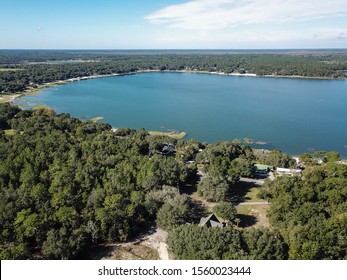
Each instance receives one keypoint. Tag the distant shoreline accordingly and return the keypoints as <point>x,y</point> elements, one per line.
<point>235,74</point>
<point>37,89</point>
<point>258,143</point>
<point>4,98</point>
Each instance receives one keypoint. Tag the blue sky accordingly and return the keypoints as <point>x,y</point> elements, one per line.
<point>173,24</point>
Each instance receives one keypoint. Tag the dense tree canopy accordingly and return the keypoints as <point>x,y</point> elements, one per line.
<point>192,242</point>
<point>174,212</point>
<point>66,185</point>
<point>226,211</point>
<point>310,212</point>
<point>275,158</point>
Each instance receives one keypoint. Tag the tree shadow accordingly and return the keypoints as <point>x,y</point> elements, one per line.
<point>188,189</point>
<point>246,220</point>
<point>198,211</point>
<point>101,251</point>
<point>240,190</point>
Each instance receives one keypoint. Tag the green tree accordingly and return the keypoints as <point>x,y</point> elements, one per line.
<point>214,189</point>
<point>263,244</point>
<point>332,157</point>
<point>64,243</point>
<point>7,112</point>
<point>226,211</point>
<point>277,158</point>
<point>190,242</point>
<point>174,212</point>
<point>244,167</point>
<point>307,160</point>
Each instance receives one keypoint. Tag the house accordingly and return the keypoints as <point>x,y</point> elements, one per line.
<point>211,221</point>
<point>261,169</point>
<point>283,171</point>
<point>168,149</point>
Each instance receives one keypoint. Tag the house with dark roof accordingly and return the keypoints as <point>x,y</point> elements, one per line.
<point>211,221</point>
<point>168,149</point>
<point>261,169</point>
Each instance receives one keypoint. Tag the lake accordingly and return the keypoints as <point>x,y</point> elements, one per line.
<point>294,115</point>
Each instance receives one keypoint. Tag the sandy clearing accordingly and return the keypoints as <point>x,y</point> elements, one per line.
<point>148,246</point>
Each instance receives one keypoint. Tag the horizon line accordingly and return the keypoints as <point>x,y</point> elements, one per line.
<point>167,49</point>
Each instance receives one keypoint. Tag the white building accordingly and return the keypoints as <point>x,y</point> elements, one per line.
<point>288,171</point>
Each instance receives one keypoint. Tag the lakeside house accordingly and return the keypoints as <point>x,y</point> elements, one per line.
<point>261,169</point>
<point>288,171</point>
<point>211,221</point>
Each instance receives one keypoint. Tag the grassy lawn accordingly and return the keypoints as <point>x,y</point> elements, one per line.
<point>247,192</point>
<point>253,215</point>
<point>251,195</point>
<point>209,205</point>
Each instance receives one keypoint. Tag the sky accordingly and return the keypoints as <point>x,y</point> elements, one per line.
<point>173,24</point>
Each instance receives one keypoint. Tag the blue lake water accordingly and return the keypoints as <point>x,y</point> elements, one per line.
<point>294,115</point>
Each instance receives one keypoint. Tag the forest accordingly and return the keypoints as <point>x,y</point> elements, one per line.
<point>22,70</point>
<point>67,185</point>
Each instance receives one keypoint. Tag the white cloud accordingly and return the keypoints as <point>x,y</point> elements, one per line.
<point>342,36</point>
<point>305,38</point>
<point>219,14</point>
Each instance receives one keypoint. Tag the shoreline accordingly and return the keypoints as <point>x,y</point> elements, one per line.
<point>302,77</point>
<point>236,74</point>
<point>11,97</point>
<point>173,134</point>
<point>4,98</point>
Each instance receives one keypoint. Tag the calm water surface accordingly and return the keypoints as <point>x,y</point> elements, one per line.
<point>294,115</point>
